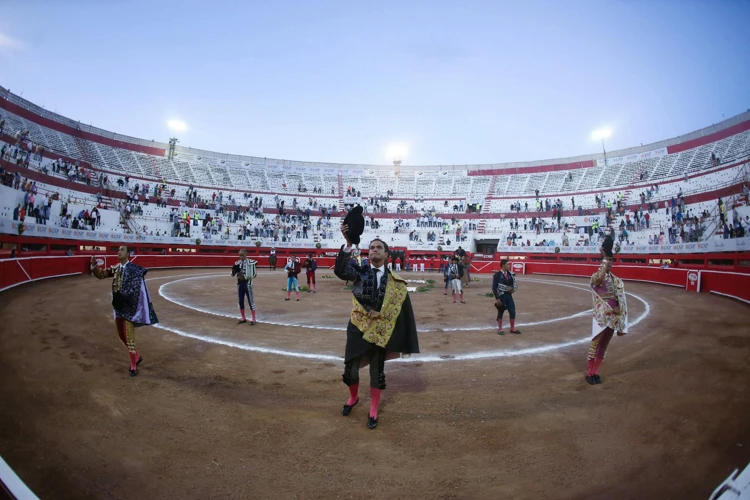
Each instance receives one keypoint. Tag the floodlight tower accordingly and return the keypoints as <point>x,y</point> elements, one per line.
<point>172,143</point>
<point>602,134</point>
<point>397,164</point>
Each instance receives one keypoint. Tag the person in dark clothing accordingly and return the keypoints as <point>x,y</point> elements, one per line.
<point>381,326</point>
<point>504,285</point>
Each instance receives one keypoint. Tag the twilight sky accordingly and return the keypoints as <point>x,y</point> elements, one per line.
<point>340,81</point>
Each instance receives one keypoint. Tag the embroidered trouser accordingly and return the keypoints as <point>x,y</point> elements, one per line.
<point>456,285</point>
<point>310,277</point>
<point>243,290</point>
<point>291,283</point>
<point>507,303</point>
<point>126,331</point>
<point>377,367</point>
<point>599,344</point>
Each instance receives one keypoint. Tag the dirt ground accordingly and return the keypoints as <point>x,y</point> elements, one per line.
<point>223,419</point>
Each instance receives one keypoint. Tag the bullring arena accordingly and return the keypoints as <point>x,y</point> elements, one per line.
<point>226,410</point>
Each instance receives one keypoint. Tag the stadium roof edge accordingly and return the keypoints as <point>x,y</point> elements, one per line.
<point>582,161</point>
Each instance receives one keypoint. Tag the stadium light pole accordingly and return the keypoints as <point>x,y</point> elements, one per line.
<point>396,152</point>
<point>175,126</point>
<point>602,134</point>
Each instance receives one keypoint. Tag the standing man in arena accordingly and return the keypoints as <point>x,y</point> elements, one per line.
<point>130,300</point>
<point>245,271</point>
<point>382,322</point>
<point>444,267</point>
<point>610,311</point>
<point>292,268</point>
<point>311,265</point>
<point>504,285</point>
<point>272,260</point>
<point>455,272</point>
<point>466,261</point>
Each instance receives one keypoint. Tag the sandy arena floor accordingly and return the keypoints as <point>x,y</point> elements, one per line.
<point>221,410</point>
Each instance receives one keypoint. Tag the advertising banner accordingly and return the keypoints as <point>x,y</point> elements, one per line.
<point>518,268</point>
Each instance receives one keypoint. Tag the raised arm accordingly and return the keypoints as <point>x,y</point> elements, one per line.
<point>598,276</point>
<point>98,272</point>
<point>344,269</point>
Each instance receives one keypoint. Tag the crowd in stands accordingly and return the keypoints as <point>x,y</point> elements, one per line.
<point>213,215</point>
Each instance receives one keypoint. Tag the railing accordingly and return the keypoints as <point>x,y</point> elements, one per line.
<point>714,216</point>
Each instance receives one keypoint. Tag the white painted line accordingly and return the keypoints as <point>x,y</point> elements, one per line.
<point>47,257</point>
<point>654,282</point>
<point>16,487</point>
<point>163,293</point>
<point>177,275</point>
<point>503,353</point>
<point>731,297</point>
<point>246,347</point>
<point>535,323</point>
<point>24,270</point>
<point>720,272</point>
<point>38,279</point>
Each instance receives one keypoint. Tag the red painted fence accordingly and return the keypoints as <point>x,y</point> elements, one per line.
<point>15,272</point>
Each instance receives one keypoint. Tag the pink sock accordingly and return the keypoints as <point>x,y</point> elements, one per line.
<point>590,371</point>
<point>353,391</point>
<point>500,324</point>
<point>512,325</point>
<point>454,297</point>
<point>597,364</point>
<point>133,360</point>
<point>374,402</point>
<point>253,313</point>
<point>297,293</point>
<point>288,294</point>
<point>242,312</point>
<point>462,297</point>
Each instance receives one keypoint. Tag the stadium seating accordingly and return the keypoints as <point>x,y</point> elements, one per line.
<point>691,170</point>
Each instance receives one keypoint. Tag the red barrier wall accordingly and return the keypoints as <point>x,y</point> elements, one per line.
<point>14,272</point>
<point>735,285</point>
<point>675,277</point>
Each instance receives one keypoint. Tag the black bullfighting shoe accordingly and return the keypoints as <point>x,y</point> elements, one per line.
<point>347,409</point>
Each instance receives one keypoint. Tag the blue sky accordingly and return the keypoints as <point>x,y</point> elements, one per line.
<point>458,82</point>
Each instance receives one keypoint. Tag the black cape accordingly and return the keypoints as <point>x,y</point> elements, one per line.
<point>403,340</point>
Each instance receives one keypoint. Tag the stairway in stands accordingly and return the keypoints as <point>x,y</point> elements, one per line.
<point>481,227</point>
<point>486,208</point>
<point>154,166</point>
<point>129,225</point>
<point>626,195</point>
<point>341,193</point>
<point>82,151</point>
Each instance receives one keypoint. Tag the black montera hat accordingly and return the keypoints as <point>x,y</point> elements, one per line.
<point>356,223</point>
<point>609,242</point>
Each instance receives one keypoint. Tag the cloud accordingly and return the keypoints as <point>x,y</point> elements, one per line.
<point>7,42</point>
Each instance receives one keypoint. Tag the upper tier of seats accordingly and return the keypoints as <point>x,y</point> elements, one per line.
<point>147,159</point>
